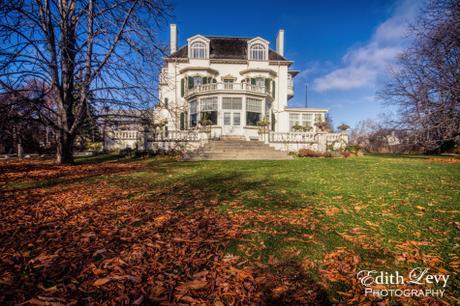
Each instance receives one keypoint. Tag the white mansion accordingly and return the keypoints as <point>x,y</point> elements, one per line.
<point>235,87</point>
<point>233,82</point>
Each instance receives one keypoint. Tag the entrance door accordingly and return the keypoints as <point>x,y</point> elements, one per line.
<point>232,123</point>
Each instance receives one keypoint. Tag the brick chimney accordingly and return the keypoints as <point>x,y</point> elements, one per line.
<point>173,38</point>
<point>280,42</point>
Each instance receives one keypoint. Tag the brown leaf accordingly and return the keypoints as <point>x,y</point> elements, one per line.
<point>102,281</point>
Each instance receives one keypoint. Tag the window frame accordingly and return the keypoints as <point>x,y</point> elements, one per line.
<point>198,50</point>
<point>257,52</point>
<point>251,111</point>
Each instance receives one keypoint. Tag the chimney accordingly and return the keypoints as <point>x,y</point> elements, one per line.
<point>280,42</point>
<point>173,37</point>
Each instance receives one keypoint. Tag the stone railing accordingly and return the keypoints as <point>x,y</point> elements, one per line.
<point>290,137</point>
<point>184,136</point>
<point>226,87</point>
<point>125,135</point>
<point>293,141</point>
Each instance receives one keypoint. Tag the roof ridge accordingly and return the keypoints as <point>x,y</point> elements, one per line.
<point>227,37</point>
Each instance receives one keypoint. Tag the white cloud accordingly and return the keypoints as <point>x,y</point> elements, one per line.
<point>362,66</point>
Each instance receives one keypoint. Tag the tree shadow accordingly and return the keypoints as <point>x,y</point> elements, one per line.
<point>151,240</point>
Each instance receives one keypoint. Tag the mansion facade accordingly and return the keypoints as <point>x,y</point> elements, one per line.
<point>220,88</point>
<point>235,85</point>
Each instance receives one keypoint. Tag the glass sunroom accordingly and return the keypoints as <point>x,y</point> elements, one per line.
<point>230,113</point>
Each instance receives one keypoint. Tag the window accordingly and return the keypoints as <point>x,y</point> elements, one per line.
<point>182,87</point>
<point>257,52</point>
<point>236,119</point>
<point>193,113</point>
<point>166,103</point>
<point>294,119</point>
<point>227,118</point>
<point>182,121</point>
<point>253,111</point>
<point>208,104</point>
<point>231,103</point>
<point>198,50</point>
<point>208,109</point>
<point>228,83</point>
<point>260,82</point>
<point>318,118</point>
<point>305,120</point>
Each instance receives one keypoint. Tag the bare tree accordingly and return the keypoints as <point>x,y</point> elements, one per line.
<point>426,85</point>
<point>20,124</point>
<point>90,52</point>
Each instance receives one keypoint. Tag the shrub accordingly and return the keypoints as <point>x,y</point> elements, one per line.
<point>346,154</point>
<point>93,146</point>
<point>126,152</point>
<point>301,128</point>
<point>309,153</point>
<point>355,150</point>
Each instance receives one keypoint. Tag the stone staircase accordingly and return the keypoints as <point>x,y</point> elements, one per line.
<point>237,148</point>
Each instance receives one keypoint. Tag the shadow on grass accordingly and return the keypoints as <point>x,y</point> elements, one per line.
<point>193,198</point>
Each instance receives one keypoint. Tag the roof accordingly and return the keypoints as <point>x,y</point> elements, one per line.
<point>227,48</point>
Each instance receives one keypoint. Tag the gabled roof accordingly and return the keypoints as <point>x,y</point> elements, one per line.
<point>227,48</point>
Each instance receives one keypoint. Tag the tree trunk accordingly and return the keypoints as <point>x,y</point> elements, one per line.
<point>64,148</point>
<point>20,151</point>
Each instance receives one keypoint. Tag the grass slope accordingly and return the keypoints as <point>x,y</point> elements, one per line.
<point>322,218</point>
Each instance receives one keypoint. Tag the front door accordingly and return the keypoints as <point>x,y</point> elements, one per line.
<point>232,123</point>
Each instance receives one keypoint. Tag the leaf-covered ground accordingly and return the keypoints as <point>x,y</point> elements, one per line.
<point>158,231</point>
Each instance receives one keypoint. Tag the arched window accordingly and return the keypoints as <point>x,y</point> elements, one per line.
<point>198,50</point>
<point>257,52</point>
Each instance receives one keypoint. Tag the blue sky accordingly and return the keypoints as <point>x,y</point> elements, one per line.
<point>344,49</point>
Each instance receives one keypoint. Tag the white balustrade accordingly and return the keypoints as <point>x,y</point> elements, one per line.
<point>122,135</point>
<point>214,87</point>
<point>304,137</point>
<point>297,137</point>
<point>177,136</point>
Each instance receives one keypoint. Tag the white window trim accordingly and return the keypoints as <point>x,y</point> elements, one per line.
<point>256,41</point>
<point>257,52</point>
<point>198,50</point>
<point>198,38</point>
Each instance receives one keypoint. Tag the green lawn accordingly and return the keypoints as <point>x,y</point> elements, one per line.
<point>393,212</point>
<point>313,220</point>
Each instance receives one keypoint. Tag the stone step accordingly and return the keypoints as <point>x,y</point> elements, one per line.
<point>242,156</point>
<point>239,157</point>
<point>233,138</point>
<point>238,149</point>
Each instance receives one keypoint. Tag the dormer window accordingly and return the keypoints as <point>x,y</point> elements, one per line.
<point>257,52</point>
<point>258,49</point>
<point>198,50</point>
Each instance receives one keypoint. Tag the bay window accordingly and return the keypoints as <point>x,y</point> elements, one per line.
<point>253,111</point>
<point>208,109</point>
<point>231,103</point>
